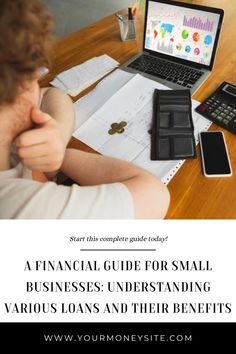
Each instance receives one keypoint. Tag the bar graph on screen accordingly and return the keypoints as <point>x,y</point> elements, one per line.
<point>195,22</point>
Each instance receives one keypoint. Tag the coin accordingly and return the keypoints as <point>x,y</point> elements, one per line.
<point>120,131</point>
<point>111,132</point>
<point>117,128</point>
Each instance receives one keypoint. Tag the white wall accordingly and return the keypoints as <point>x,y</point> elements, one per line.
<point>71,15</point>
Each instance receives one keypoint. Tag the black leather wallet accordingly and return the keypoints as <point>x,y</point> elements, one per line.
<point>172,133</point>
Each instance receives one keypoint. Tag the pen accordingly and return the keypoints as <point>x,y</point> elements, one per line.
<point>130,14</point>
<point>134,10</point>
<point>120,17</point>
<point>131,29</point>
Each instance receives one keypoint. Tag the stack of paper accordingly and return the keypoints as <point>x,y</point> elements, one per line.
<point>78,78</point>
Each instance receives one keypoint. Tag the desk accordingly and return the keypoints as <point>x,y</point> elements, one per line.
<point>193,196</point>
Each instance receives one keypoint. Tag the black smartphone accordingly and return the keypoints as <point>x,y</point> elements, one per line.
<point>215,157</point>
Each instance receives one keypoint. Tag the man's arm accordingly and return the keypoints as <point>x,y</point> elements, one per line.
<point>150,196</point>
<point>42,148</point>
<point>59,106</point>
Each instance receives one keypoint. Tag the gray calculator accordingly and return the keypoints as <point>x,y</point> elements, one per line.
<point>220,107</point>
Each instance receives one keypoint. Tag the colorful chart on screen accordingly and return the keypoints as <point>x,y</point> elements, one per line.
<point>181,32</point>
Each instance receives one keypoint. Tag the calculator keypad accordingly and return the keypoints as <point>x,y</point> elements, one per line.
<point>219,111</point>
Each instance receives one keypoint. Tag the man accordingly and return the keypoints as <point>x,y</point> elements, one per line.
<point>38,125</point>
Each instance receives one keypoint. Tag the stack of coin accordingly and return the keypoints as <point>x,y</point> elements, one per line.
<point>117,128</point>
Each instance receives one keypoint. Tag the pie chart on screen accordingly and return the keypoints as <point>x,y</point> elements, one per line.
<point>185,34</point>
<point>208,39</point>
<point>187,49</point>
<point>196,37</point>
<point>179,46</point>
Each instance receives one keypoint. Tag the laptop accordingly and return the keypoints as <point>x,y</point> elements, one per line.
<point>180,42</point>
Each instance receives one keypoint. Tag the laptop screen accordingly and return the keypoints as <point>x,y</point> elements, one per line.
<point>182,32</point>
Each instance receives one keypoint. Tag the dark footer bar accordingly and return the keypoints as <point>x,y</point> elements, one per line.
<point>179,335</point>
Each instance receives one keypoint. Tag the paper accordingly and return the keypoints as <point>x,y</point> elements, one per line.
<point>131,103</point>
<point>90,103</point>
<point>78,78</point>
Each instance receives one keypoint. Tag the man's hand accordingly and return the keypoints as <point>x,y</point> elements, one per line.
<point>41,148</point>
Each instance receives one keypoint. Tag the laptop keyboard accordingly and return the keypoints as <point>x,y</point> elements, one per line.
<point>179,74</point>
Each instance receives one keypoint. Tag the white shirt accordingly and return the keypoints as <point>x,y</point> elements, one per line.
<point>23,198</point>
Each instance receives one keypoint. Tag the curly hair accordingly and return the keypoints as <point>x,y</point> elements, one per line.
<point>25,38</point>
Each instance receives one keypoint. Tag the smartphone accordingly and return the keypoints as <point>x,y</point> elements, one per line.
<point>215,157</point>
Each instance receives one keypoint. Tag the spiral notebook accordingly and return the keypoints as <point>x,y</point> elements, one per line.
<point>126,98</point>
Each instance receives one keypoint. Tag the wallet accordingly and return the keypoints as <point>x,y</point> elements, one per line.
<point>172,133</point>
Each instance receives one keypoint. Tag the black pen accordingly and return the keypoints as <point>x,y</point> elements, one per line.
<point>130,14</point>
<point>131,28</point>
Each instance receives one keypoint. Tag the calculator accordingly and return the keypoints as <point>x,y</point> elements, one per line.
<point>220,107</point>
